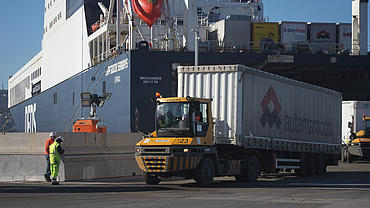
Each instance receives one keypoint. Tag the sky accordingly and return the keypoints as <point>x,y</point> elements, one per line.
<point>22,26</point>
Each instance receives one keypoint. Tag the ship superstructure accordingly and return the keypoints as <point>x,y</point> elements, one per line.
<point>79,34</point>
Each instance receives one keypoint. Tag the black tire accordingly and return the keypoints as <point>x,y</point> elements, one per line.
<point>243,172</point>
<point>205,172</point>
<point>350,157</point>
<point>303,170</point>
<point>251,169</point>
<point>254,168</point>
<point>313,170</point>
<point>322,164</point>
<point>151,179</point>
<point>344,154</point>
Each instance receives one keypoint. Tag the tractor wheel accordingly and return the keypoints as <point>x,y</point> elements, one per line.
<point>151,179</point>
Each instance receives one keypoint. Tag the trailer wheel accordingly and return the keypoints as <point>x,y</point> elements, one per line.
<point>254,168</point>
<point>322,164</point>
<point>350,157</point>
<point>303,170</point>
<point>314,163</point>
<point>243,177</point>
<point>151,179</point>
<point>344,154</point>
<point>205,172</point>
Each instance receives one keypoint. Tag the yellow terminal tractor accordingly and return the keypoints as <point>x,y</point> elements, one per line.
<point>182,144</point>
<point>358,144</point>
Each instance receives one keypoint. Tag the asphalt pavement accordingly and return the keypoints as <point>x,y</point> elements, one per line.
<point>347,185</point>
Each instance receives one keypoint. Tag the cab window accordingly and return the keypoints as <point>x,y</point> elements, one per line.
<point>201,119</point>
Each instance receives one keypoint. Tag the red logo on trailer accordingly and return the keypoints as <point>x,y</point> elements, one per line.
<point>270,117</point>
<point>323,34</point>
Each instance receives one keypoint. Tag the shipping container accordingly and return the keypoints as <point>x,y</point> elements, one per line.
<point>292,32</point>
<point>322,37</point>
<point>356,109</point>
<point>248,102</point>
<point>265,32</point>
<point>344,36</point>
<point>232,31</point>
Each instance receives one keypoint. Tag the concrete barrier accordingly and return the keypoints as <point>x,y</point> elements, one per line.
<point>87,156</point>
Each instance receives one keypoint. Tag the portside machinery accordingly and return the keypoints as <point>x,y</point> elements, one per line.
<point>356,140</point>
<point>232,120</point>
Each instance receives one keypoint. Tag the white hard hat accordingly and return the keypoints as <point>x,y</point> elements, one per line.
<point>53,134</point>
<point>60,139</point>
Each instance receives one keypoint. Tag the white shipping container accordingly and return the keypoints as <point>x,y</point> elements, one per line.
<point>322,32</point>
<point>345,36</point>
<point>356,109</point>
<point>232,32</point>
<point>293,32</point>
<point>322,37</point>
<point>248,102</point>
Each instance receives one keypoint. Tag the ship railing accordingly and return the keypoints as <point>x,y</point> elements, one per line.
<point>274,47</point>
<point>109,54</point>
<point>245,46</point>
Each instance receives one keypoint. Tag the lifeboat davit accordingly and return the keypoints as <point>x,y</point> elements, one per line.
<point>148,10</point>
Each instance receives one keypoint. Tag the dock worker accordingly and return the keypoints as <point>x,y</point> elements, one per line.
<point>56,151</point>
<point>48,142</point>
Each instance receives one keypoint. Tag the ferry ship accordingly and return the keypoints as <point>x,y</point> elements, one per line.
<point>106,47</point>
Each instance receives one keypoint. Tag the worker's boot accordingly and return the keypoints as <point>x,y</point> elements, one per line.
<point>47,177</point>
<point>55,182</point>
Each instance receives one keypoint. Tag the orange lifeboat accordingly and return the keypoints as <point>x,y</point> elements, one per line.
<point>95,26</point>
<point>148,10</point>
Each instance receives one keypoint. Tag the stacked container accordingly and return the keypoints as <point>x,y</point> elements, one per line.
<point>322,37</point>
<point>265,31</point>
<point>292,33</point>
<point>344,36</point>
<point>233,31</point>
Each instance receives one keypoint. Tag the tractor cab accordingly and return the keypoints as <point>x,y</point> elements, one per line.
<point>365,132</point>
<point>182,117</point>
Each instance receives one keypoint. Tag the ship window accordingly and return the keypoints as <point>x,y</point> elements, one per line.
<point>36,88</point>
<point>55,98</point>
<point>73,98</point>
<point>180,22</point>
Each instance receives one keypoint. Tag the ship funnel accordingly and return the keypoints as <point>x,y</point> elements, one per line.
<point>360,27</point>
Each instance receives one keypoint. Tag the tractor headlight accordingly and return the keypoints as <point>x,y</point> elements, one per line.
<point>137,150</point>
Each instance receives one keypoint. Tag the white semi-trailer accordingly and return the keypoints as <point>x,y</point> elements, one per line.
<point>233,120</point>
